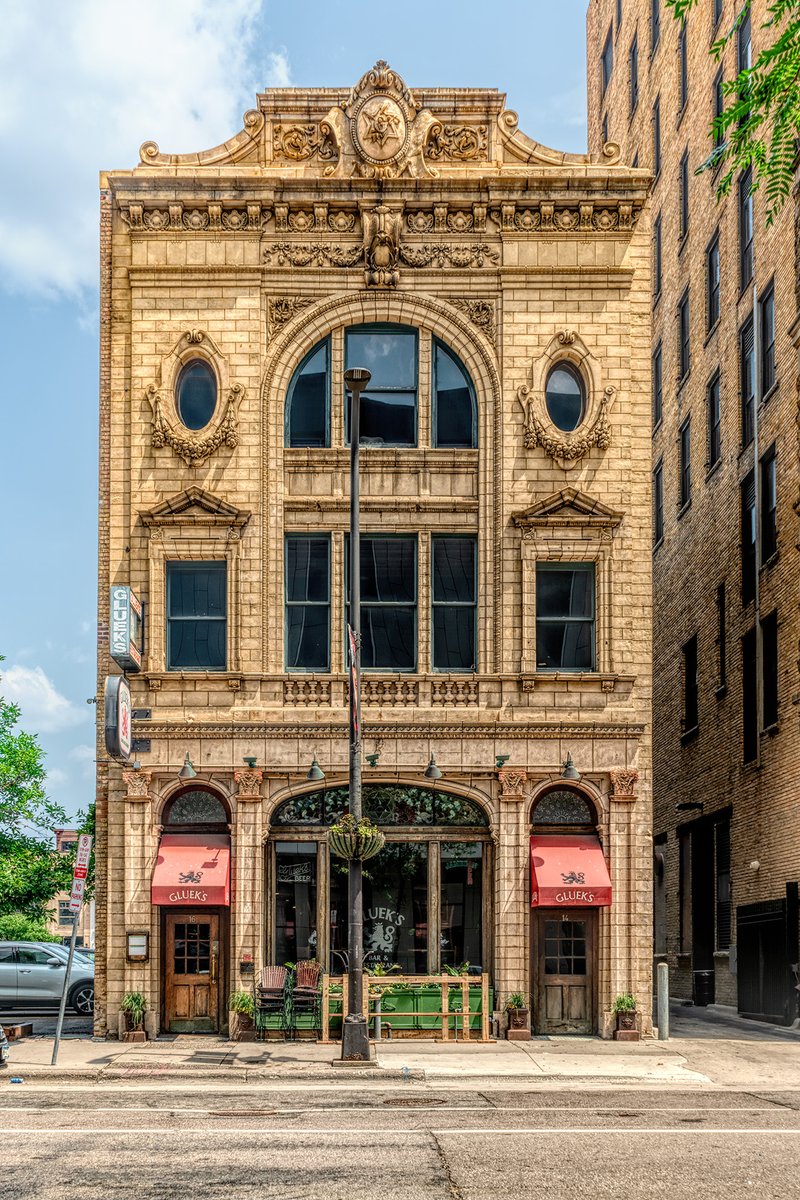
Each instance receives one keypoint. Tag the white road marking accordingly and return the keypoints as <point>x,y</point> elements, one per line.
<point>524,1110</point>
<point>204,1130</point>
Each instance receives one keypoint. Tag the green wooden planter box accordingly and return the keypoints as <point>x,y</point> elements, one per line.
<point>414,1009</point>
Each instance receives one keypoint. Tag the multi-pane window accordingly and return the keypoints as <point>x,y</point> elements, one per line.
<point>767,306</point>
<point>747,490</point>
<point>308,602</point>
<point>769,648</point>
<point>714,419</point>
<point>658,384</point>
<point>565,616</point>
<point>196,616</point>
<point>633,63</point>
<point>454,415</point>
<point>684,343</point>
<point>712,283</point>
<point>685,440</point>
<point>747,384</point>
<point>722,644</point>
<point>683,81</point>
<point>607,61</point>
<point>307,401</point>
<point>657,137</point>
<point>745,229</point>
<point>769,505</point>
<point>454,602</point>
<point>691,712</point>
<point>658,503</point>
<point>749,697</point>
<point>683,185</point>
<point>655,24</point>
<point>388,602</point>
<point>389,404</point>
<point>65,913</point>
<point>722,884</point>
<point>657,256</point>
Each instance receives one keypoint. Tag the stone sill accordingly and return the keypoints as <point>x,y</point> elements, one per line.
<point>586,680</point>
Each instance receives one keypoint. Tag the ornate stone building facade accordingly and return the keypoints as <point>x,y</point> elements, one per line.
<point>499,293</point>
<point>726,471</point>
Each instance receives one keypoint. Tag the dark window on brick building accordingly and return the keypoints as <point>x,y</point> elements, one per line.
<point>722,640</point>
<point>657,256</point>
<point>605,129</point>
<point>684,344</point>
<point>722,883</point>
<point>658,503</point>
<point>767,306</point>
<point>683,185</point>
<point>633,65</point>
<point>745,229</point>
<point>657,137</point>
<point>685,437</point>
<point>747,382</point>
<point>196,616</point>
<point>748,500</point>
<point>769,647</point>
<point>619,14</point>
<point>744,45</point>
<point>655,24</point>
<point>714,417</point>
<point>684,891</point>
<point>691,712</point>
<point>749,703</point>
<point>718,99</point>
<point>712,283</point>
<point>769,505</point>
<point>717,11</point>
<point>683,82</point>
<point>658,385</point>
<point>607,61</point>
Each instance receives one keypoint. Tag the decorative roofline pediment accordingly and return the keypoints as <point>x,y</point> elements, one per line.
<point>195,505</point>
<point>568,507</point>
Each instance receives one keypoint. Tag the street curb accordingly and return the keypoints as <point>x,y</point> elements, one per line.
<point>203,1075</point>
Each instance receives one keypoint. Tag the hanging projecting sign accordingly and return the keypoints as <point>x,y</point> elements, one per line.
<point>126,628</point>
<point>118,716</point>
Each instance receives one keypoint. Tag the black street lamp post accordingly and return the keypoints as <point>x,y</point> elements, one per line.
<point>355,1033</point>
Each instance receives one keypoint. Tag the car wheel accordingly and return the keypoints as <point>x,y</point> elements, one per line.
<point>81,999</point>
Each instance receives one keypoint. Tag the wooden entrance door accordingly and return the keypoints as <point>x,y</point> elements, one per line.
<point>192,972</point>
<point>564,970</point>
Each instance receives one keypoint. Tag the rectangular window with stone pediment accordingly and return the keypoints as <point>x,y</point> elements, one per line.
<point>565,614</point>
<point>197,612</point>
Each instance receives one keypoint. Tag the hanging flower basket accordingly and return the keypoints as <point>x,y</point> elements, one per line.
<point>351,838</point>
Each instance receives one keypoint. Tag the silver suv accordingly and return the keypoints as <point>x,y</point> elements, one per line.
<point>32,975</point>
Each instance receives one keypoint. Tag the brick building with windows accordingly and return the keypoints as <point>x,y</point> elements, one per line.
<point>498,292</point>
<point>726,499</point>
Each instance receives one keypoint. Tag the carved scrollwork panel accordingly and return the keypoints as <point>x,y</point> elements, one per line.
<point>481,313</point>
<point>457,143</point>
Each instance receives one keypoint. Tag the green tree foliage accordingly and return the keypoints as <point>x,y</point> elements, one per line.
<point>760,122</point>
<point>31,871</point>
<point>16,927</point>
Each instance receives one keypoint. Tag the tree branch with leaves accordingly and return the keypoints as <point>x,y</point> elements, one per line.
<point>760,122</point>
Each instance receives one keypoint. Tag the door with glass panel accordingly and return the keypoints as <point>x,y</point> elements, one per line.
<point>192,972</point>
<point>564,970</point>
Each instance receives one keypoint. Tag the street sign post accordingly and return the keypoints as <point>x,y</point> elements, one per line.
<point>75,903</point>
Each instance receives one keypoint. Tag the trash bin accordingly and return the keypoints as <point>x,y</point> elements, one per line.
<point>703,988</point>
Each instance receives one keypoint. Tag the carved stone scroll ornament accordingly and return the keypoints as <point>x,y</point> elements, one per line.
<point>307,254</point>
<point>249,783</point>
<point>137,784</point>
<point>283,309</point>
<point>442,255</point>
<point>458,143</point>
<point>481,314</point>
<point>565,448</point>
<point>624,781</point>
<point>194,449</point>
<point>299,143</point>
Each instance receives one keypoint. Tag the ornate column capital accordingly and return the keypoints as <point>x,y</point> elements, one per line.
<point>138,785</point>
<point>623,782</point>
<point>512,784</point>
<point>249,783</point>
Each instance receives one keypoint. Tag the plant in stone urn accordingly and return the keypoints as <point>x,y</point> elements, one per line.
<point>355,838</point>
<point>624,1007</point>
<point>517,1011</point>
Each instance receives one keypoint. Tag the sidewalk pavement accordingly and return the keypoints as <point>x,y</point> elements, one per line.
<point>716,1049</point>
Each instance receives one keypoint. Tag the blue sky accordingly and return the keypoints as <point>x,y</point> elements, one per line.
<point>82,85</point>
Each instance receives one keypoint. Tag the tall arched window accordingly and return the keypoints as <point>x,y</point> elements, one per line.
<point>454,415</point>
<point>307,402</point>
<point>195,809</point>
<point>562,808</point>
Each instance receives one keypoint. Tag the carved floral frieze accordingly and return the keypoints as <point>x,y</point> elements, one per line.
<point>317,219</point>
<point>457,143</point>
<point>481,313</point>
<point>299,143</point>
<point>282,310</point>
<point>445,254</point>
<point>547,217</point>
<point>312,254</point>
<point>197,219</point>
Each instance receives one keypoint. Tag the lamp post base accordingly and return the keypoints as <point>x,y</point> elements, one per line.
<point>355,1040</point>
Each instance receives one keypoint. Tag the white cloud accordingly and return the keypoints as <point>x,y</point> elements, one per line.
<point>85,755</point>
<point>82,85</point>
<point>278,73</point>
<point>44,709</point>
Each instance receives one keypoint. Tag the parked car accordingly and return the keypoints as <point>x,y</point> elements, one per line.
<point>32,975</point>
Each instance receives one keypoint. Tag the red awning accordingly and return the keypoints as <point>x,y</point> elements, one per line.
<point>192,868</point>
<point>568,869</point>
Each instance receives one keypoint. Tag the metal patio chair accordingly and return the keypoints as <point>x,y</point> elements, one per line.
<point>304,996</point>
<point>271,1000</point>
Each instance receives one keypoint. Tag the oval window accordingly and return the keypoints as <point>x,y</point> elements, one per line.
<point>196,394</point>
<point>565,397</point>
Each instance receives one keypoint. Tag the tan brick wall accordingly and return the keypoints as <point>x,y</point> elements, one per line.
<point>701,546</point>
<point>190,271</point>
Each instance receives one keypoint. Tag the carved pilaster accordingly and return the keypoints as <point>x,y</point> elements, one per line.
<point>512,784</point>
<point>623,782</point>
<point>137,784</point>
<point>249,783</point>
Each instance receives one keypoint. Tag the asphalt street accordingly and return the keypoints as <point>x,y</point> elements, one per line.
<point>367,1140</point>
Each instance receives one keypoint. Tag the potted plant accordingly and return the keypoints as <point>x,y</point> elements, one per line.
<point>624,1007</point>
<point>134,1006</point>
<point>517,1011</point>
<point>357,838</point>
<point>243,1011</point>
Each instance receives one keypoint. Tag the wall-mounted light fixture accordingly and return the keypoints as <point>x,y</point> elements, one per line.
<point>570,771</point>
<point>432,771</point>
<point>187,771</point>
<point>315,771</point>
